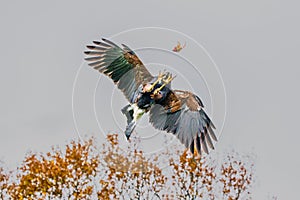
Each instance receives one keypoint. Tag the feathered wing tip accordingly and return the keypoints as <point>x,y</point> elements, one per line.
<point>123,67</point>
<point>197,136</point>
<point>110,42</point>
<point>189,123</point>
<point>207,135</point>
<point>126,48</point>
<point>198,145</point>
<point>195,146</point>
<point>209,128</point>
<point>101,54</point>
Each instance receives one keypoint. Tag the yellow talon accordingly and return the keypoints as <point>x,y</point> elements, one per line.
<point>159,78</point>
<point>166,81</point>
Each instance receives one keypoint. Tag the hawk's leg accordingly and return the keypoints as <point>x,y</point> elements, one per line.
<point>159,78</point>
<point>166,81</point>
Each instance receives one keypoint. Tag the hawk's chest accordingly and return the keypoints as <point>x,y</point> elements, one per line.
<point>145,101</point>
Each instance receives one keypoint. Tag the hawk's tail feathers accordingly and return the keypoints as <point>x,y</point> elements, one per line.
<point>129,129</point>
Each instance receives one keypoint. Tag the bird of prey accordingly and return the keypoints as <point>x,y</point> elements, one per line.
<point>174,111</point>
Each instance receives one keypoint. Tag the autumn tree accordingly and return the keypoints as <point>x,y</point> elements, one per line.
<point>191,177</point>
<point>204,177</point>
<point>129,174</point>
<point>4,182</point>
<point>57,174</point>
<point>236,177</point>
<point>85,170</point>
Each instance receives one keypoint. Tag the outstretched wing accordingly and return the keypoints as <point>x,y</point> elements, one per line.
<point>182,114</point>
<point>121,64</point>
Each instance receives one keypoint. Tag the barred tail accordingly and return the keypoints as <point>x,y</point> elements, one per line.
<point>129,129</point>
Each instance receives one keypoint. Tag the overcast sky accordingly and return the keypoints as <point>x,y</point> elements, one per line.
<point>254,44</point>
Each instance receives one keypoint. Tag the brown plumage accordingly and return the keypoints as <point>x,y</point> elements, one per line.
<point>175,111</point>
<point>121,65</point>
<point>182,114</point>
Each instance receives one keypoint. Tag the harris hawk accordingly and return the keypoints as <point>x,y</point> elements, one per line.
<point>174,111</point>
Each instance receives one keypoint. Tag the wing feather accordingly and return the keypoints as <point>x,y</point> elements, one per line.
<point>198,144</point>
<point>189,122</point>
<point>121,65</point>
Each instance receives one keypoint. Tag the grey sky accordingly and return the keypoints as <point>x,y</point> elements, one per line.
<point>254,43</point>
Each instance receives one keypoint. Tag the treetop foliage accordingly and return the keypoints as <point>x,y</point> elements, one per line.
<point>83,170</point>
